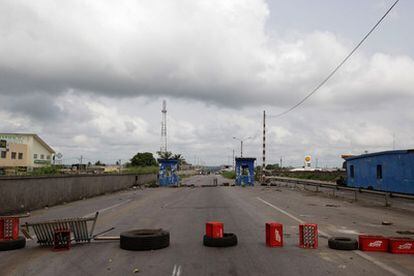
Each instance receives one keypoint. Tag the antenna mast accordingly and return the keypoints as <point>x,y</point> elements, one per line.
<point>163,147</point>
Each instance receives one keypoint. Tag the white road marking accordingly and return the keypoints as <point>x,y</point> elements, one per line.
<point>176,270</point>
<point>359,253</point>
<point>378,263</point>
<point>107,208</point>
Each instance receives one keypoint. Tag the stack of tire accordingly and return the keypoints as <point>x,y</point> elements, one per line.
<point>144,239</point>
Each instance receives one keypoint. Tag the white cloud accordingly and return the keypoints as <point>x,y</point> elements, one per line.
<point>87,77</point>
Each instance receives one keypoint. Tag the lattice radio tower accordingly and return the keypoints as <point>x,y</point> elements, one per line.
<point>163,147</point>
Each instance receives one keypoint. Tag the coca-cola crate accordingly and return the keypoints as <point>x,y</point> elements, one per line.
<point>373,243</point>
<point>308,235</point>
<point>401,245</point>
<point>9,228</point>
<point>61,239</point>
<point>274,234</point>
<point>214,229</point>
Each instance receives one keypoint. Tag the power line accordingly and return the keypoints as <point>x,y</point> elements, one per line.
<point>337,67</point>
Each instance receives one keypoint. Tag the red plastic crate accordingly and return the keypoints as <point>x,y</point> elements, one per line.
<point>401,245</point>
<point>214,229</point>
<point>9,228</point>
<point>61,239</point>
<point>308,235</point>
<point>373,243</point>
<point>274,234</point>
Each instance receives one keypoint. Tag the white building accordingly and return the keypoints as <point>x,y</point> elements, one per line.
<point>24,150</point>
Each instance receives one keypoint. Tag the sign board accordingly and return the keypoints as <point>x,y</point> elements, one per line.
<point>41,162</point>
<point>59,155</point>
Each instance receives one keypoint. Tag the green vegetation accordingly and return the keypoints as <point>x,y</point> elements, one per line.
<point>272,167</point>
<point>169,155</point>
<point>49,170</point>
<point>99,163</point>
<point>143,159</point>
<point>317,175</point>
<point>229,174</point>
<point>141,170</point>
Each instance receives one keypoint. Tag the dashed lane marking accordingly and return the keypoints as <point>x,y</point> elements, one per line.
<point>357,252</point>
<point>176,270</point>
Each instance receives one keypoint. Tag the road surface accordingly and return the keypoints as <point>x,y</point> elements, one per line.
<point>244,211</point>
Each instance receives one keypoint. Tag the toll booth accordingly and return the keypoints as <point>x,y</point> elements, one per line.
<point>245,171</point>
<point>167,175</point>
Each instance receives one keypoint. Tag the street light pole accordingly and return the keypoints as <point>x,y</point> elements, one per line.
<point>241,143</point>
<point>241,148</point>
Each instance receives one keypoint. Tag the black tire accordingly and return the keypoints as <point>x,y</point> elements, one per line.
<point>12,244</point>
<point>341,243</point>
<point>144,239</point>
<point>228,239</point>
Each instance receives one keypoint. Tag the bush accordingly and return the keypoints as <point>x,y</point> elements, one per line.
<point>49,170</point>
<point>229,174</point>
<point>141,170</point>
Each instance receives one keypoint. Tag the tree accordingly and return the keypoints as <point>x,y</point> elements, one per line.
<point>180,159</point>
<point>143,159</point>
<point>99,163</point>
<point>272,166</point>
<point>165,154</point>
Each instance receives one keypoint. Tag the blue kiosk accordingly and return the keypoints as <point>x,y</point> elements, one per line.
<point>167,174</point>
<point>245,171</point>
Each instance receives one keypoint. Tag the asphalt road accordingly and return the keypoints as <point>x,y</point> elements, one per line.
<point>244,211</point>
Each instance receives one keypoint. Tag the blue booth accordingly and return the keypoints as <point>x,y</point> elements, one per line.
<point>245,171</point>
<point>167,175</point>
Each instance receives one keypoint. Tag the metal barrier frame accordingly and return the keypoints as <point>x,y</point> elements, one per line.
<point>44,230</point>
<point>329,185</point>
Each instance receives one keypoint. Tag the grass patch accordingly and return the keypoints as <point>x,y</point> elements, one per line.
<point>141,170</point>
<point>229,174</point>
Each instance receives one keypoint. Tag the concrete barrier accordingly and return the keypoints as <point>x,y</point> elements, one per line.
<point>19,194</point>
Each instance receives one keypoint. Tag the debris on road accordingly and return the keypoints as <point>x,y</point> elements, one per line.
<point>332,205</point>
<point>405,232</point>
<point>385,222</point>
<point>136,270</point>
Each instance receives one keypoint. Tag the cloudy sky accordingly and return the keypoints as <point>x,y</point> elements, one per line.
<point>89,77</point>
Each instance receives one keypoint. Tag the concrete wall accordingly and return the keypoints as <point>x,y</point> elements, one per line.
<point>18,194</point>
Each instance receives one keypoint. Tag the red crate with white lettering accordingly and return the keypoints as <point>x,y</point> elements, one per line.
<point>401,245</point>
<point>274,234</point>
<point>308,235</point>
<point>9,228</point>
<point>373,243</point>
<point>214,229</point>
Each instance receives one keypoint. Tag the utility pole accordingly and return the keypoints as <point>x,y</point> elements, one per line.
<point>80,165</point>
<point>281,161</point>
<point>241,148</point>
<point>233,159</point>
<point>264,143</point>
